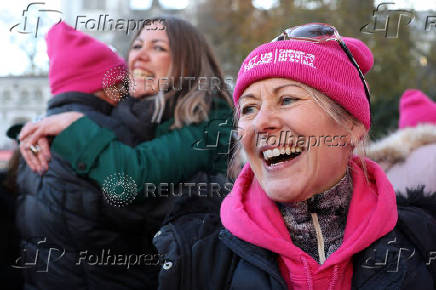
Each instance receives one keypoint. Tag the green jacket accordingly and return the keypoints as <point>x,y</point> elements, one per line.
<point>172,156</point>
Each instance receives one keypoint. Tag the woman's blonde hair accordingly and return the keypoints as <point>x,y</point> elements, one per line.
<point>192,62</point>
<point>359,139</point>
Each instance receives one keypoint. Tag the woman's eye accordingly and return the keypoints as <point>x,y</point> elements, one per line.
<point>247,109</point>
<point>136,46</point>
<point>159,48</point>
<point>287,100</point>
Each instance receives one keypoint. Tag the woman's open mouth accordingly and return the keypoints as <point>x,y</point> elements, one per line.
<point>140,73</point>
<point>276,156</point>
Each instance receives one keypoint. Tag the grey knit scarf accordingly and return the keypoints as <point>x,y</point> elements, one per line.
<point>331,208</point>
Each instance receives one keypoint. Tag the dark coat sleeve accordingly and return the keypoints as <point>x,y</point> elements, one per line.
<point>406,257</point>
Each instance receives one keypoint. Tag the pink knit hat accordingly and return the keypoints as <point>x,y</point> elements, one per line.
<point>323,66</point>
<point>415,108</point>
<point>79,62</point>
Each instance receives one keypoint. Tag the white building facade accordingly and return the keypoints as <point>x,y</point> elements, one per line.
<point>22,99</point>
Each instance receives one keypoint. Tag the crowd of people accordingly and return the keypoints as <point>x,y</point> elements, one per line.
<point>298,216</point>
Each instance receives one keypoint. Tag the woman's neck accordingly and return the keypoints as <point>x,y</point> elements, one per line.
<point>317,225</point>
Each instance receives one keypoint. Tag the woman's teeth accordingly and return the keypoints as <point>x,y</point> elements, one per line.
<point>284,153</point>
<point>142,73</point>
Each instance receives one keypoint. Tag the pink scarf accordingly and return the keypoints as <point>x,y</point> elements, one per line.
<point>250,215</point>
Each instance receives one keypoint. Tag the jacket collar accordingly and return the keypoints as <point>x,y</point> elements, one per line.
<point>90,100</point>
<point>370,265</point>
<point>260,257</point>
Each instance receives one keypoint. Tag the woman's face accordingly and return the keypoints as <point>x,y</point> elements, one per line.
<point>149,61</point>
<point>280,123</point>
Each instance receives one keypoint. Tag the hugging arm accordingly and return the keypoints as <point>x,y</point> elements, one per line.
<point>94,151</point>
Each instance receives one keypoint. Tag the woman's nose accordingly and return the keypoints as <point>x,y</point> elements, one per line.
<point>267,120</point>
<point>143,54</point>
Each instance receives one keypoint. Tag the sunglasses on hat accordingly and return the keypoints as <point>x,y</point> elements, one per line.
<point>320,32</point>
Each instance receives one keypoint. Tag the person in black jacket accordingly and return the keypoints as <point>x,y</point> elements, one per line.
<point>304,214</point>
<point>71,238</point>
<point>9,245</point>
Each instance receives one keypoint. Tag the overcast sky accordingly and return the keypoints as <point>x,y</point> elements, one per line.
<point>14,61</point>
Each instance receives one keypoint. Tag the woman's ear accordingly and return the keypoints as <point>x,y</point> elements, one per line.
<point>357,132</point>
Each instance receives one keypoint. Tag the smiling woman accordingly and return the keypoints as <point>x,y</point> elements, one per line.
<point>276,105</point>
<point>163,67</point>
<point>298,216</point>
<point>149,61</point>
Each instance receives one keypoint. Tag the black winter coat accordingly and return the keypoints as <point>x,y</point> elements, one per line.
<point>9,250</point>
<point>200,254</point>
<point>71,238</point>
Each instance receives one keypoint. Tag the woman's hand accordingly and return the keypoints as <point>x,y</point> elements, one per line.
<point>34,145</point>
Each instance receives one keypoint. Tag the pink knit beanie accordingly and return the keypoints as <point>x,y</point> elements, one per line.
<point>322,66</point>
<point>79,62</point>
<point>415,108</point>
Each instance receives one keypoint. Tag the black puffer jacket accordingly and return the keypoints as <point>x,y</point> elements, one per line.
<point>71,238</point>
<point>200,254</point>
<point>9,251</point>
